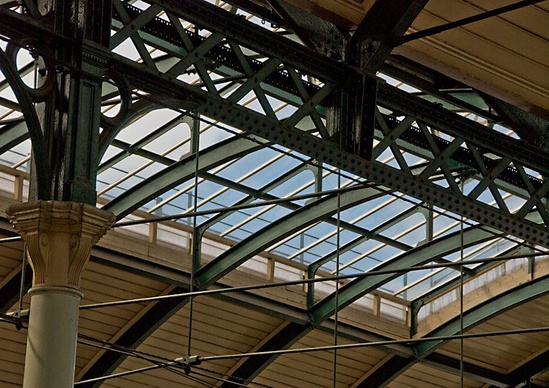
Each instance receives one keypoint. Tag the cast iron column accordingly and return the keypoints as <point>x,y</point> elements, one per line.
<point>62,223</point>
<point>59,237</point>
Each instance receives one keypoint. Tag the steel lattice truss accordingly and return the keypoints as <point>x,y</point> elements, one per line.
<point>206,106</point>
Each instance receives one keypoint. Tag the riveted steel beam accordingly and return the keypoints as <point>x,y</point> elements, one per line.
<point>386,20</point>
<point>418,187</point>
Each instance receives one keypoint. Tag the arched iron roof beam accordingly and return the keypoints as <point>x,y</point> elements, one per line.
<point>418,187</point>
<point>324,309</point>
<point>471,318</point>
<point>284,227</point>
<point>425,253</point>
<point>179,172</point>
<point>31,118</point>
<point>12,134</point>
<point>164,309</point>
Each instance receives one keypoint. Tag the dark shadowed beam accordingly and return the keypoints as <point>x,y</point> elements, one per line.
<point>9,293</point>
<point>373,40</point>
<point>12,133</point>
<point>151,320</point>
<point>529,369</point>
<point>529,127</point>
<point>314,32</point>
<point>11,284</point>
<point>284,338</point>
<point>386,373</point>
<point>397,364</point>
<point>470,371</point>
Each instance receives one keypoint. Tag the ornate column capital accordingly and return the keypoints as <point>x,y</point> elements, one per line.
<point>59,238</point>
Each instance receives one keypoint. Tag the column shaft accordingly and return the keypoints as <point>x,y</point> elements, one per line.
<point>51,341</point>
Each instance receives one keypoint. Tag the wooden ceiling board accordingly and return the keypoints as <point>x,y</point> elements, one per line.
<point>218,328</point>
<point>312,369</point>
<point>426,376</point>
<point>504,35</point>
<point>492,55</point>
<point>478,353</point>
<point>356,358</point>
<point>12,355</point>
<point>505,352</point>
<point>156,378</point>
<point>506,56</point>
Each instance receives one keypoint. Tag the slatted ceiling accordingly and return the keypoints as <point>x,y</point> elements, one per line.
<point>494,31</point>
<point>11,257</point>
<point>498,353</point>
<point>426,376</point>
<point>127,281</point>
<point>11,379</point>
<point>12,355</point>
<point>125,311</point>
<point>157,377</point>
<point>532,19</point>
<point>504,353</point>
<point>84,353</point>
<point>315,368</point>
<point>230,341</point>
<point>478,354</point>
<point>100,322</point>
<point>250,317</point>
<point>318,372</point>
<point>357,358</point>
<point>501,55</point>
<point>509,60</point>
<point>543,6</point>
<point>279,377</point>
<point>361,317</point>
<point>218,328</point>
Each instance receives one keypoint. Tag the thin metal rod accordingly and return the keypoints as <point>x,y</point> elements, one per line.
<point>180,362</point>
<point>295,282</point>
<point>23,276</point>
<point>461,295</point>
<point>410,341</point>
<point>238,207</point>
<point>462,22</point>
<point>194,258</point>
<point>10,239</point>
<point>130,372</point>
<point>336,299</point>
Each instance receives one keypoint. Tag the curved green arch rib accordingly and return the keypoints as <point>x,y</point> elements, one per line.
<point>484,311</point>
<point>280,229</point>
<point>33,123</point>
<point>417,256</point>
<point>180,172</point>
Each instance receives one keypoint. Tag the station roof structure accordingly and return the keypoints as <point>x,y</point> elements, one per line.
<point>308,193</point>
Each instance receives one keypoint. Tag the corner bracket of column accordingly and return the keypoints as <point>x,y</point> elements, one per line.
<point>59,237</point>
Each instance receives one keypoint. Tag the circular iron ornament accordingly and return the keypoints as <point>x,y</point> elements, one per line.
<point>124,92</point>
<point>46,68</point>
